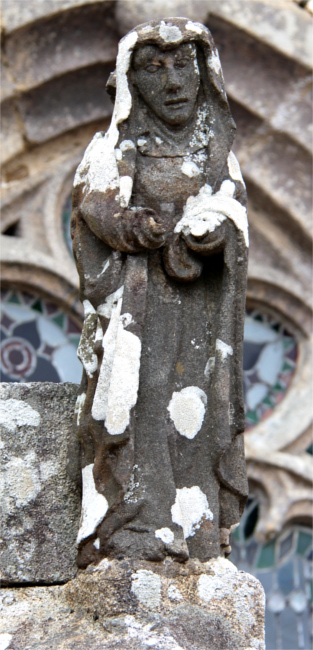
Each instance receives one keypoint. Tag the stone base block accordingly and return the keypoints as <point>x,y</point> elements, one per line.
<point>40,503</point>
<point>133,605</point>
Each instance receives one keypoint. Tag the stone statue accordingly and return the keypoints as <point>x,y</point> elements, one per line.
<point>160,239</point>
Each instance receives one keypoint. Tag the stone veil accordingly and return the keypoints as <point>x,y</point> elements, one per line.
<point>160,239</point>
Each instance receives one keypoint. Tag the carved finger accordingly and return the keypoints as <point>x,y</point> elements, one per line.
<point>205,247</point>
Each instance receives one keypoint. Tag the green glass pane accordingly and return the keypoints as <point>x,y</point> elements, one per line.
<point>311,590</point>
<point>252,416</point>
<point>287,366</point>
<point>75,340</point>
<point>304,541</point>
<point>37,306</point>
<point>310,449</point>
<point>236,534</point>
<point>268,401</point>
<point>280,388</point>
<point>267,556</point>
<point>59,320</point>
<point>15,299</point>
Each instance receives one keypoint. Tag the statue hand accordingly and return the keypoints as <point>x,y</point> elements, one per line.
<point>146,230</point>
<point>209,242</point>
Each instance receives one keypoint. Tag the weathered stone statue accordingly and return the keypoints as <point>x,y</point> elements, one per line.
<point>160,239</point>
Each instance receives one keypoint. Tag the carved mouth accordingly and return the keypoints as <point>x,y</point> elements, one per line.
<point>177,102</point>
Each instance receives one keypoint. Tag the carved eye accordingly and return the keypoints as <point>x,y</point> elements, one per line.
<point>152,68</point>
<point>181,63</point>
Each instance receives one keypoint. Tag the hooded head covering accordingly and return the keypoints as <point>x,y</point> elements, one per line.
<point>109,161</point>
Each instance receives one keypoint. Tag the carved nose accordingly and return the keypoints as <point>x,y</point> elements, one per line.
<point>173,82</point>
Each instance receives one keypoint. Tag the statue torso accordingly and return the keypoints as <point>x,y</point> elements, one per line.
<point>164,184</point>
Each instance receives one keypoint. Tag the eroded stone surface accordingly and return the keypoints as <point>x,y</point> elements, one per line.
<point>166,606</point>
<point>40,504</point>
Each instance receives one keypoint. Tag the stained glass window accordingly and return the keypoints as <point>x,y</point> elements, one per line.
<point>38,340</point>
<point>284,566</point>
<point>269,363</point>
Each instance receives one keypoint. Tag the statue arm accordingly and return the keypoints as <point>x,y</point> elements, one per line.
<point>124,230</point>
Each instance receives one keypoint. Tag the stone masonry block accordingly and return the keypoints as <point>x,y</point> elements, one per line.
<point>40,502</point>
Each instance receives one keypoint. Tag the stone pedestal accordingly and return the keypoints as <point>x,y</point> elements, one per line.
<point>126,604</point>
<point>133,605</point>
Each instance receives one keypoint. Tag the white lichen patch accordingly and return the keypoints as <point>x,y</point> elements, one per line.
<point>88,308</point>
<point>147,28</point>
<point>166,535</point>
<point>224,349</point>
<point>220,584</point>
<point>104,565</point>
<point>22,481</point>
<point>231,414</point>
<point>126,319</point>
<point>126,145</point>
<point>234,168</point>
<point>99,331</point>
<point>173,593</point>
<point>97,543</point>
<point>106,265</point>
<point>209,367</point>
<point>98,170</point>
<point>146,586</point>
<point>5,640</point>
<point>141,142</point>
<point>190,169</point>
<point>170,33</point>
<point>146,636</point>
<point>214,62</point>
<point>123,99</point>
<point>117,387</point>
<point>111,301</point>
<point>187,409</point>
<point>124,382</point>
<point>190,509</point>
<point>48,469</point>
<point>15,413</point>
<point>204,212</point>
<point>194,27</point>
<point>201,134</point>
<point>111,309</point>
<point>85,350</point>
<point>126,188</point>
<point>94,505</point>
<point>79,406</point>
<point>133,486</point>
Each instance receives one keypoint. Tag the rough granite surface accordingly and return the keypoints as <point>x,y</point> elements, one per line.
<point>133,605</point>
<point>40,505</point>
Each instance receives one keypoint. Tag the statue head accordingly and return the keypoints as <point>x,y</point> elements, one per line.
<point>168,81</point>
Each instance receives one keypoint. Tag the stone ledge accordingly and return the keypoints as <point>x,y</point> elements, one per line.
<point>133,605</point>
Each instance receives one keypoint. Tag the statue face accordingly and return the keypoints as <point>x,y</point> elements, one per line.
<point>168,81</point>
